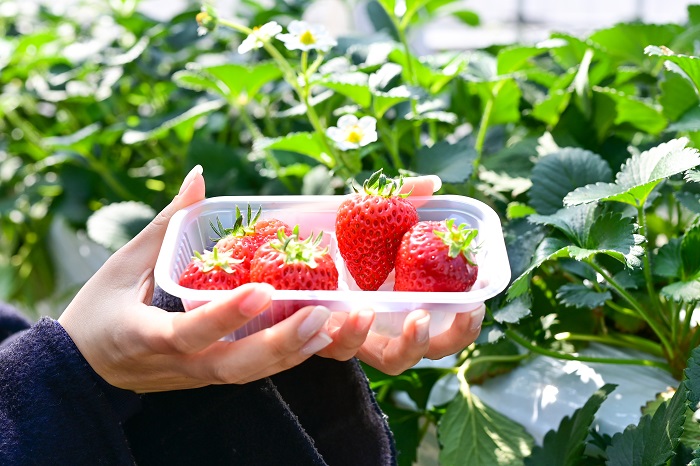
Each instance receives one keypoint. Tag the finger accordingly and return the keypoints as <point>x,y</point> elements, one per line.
<point>462,333</point>
<point>142,251</point>
<point>348,338</point>
<point>421,185</point>
<point>266,352</point>
<point>404,351</point>
<point>192,331</point>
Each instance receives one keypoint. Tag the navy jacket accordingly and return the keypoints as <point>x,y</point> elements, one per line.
<point>54,409</point>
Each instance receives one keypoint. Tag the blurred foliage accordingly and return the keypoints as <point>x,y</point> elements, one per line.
<point>585,146</point>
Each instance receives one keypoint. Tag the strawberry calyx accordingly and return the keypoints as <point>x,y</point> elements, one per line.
<point>380,185</point>
<point>458,239</point>
<point>209,260</point>
<point>296,250</point>
<point>239,228</point>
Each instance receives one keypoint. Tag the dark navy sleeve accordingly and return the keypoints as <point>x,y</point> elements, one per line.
<point>54,409</point>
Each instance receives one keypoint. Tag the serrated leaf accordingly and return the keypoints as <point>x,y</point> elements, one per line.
<point>473,433</point>
<point>243,80</point>
<point>668,261</point>
<point>687,65</point>
<point>690,246</point>
<point>453,163</point>
<point>693,175</point>
<point>383,101</point>
<point>690,201</point>
<point>582,297</point>
<point>513,311</point>
<point>654,440</point>
<point>688,122</point>
<point>640,113</point>
<point>565,446</point>
<point>518,210</point>
<point>550,109</point>
<point>682,291</point>
<point>556,175</point>
<point>114,225</point>
<point>677,96</point>
<point>197,81</point>
<point>479,372</point>
<point>506,95</point>
<point>309,144</point>
<point>517,57</point>
<point>640,175</point>
<point>549,249</point>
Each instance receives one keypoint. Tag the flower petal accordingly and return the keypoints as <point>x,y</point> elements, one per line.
<point>346,121</point>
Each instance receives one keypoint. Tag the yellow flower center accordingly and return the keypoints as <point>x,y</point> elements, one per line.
<point>307,38</point>
<point>354,135</point>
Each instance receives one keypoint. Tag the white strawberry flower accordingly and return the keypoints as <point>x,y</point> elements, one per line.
<point>352,133</point>
<point>259,36</point>
<point>304,36</point>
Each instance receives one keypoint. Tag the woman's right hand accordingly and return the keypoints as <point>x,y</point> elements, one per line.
<point>138,347</point>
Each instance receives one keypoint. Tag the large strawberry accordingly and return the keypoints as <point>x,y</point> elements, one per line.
<point>289,263</point>
<point>436,256</point>
<point>214,271</point>
<point>244,239</point>
<point>369,226</point>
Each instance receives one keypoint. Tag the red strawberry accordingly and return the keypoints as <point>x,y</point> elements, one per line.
<point>369,226</point>
<point>436,256</point>
<point>214,271</point>
<point>243,240</point>
<point>289,263</point>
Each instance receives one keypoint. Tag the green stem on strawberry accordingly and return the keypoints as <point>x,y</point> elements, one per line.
<point>516,337</point>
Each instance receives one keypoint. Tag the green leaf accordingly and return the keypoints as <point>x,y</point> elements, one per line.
<point>506,100</point>
<point>549,249</point>
<point>640,175</point>
<point>244,81</point>
<point>309,144</point>
<point>654,440</point>
<point>689,121</point>
<point>468,17</point>
<point>518,57</point>
<point>690,201</point>
<point>581,296</point>
<point>453,163</point>
<point>197,81</point>
<point>518,210</point>
<point>693,175</point>
<point>182,124</point>
<point>682,291</point>
<point>473,433</point>
<point>668,261</point>
<point>114,225</point>
<point>383,101</point>
<point>565,446</point>
<point>690,246</point>
<point>550,109</point>
<point>482,370</point>
<point>640,113</point>
<point>513,311</point>
<point>352,85</point>
<point>686,65</point>
<point>677,96</point>
<point>626,41</point>
<point>557,174</point>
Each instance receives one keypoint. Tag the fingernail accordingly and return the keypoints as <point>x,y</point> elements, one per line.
<point>422,329</point>
<point>477,318</point>
<point>437,182</point>
<point>317,343</point>
<point>196,170</point>
<point>364,320</point>
<point>314,322</point>
<point>257,299</point>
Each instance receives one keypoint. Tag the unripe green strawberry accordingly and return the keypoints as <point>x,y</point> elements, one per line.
<point>289,263</point>
<point>214,271</point>
<point>436,256</point>
<point>369,226</point>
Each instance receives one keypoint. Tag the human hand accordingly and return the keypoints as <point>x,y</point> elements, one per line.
<point>142,348</point>
<point>352,337</point>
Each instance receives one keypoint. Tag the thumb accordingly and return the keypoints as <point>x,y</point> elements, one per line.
<point>142,251</point>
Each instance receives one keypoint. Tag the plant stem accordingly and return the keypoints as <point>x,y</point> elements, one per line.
<point>615,340</point>
<point>653,295</point>
<point>571,357</point>
<point>636,306</point>
<point>481,137</point>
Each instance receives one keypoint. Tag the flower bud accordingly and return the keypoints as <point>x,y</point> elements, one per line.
<point>207,20</point>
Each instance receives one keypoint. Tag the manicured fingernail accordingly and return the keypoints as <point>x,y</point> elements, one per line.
<point>314,322</point>
<point>257,299</point>
<point>364,320</point>
<point>437,182</point>
<point>196,170</point>
<point>422,329</point>
<point>477,318</point>
<point>317,343</point>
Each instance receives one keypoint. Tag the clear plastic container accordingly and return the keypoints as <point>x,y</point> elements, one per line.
<point>189,230</point>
